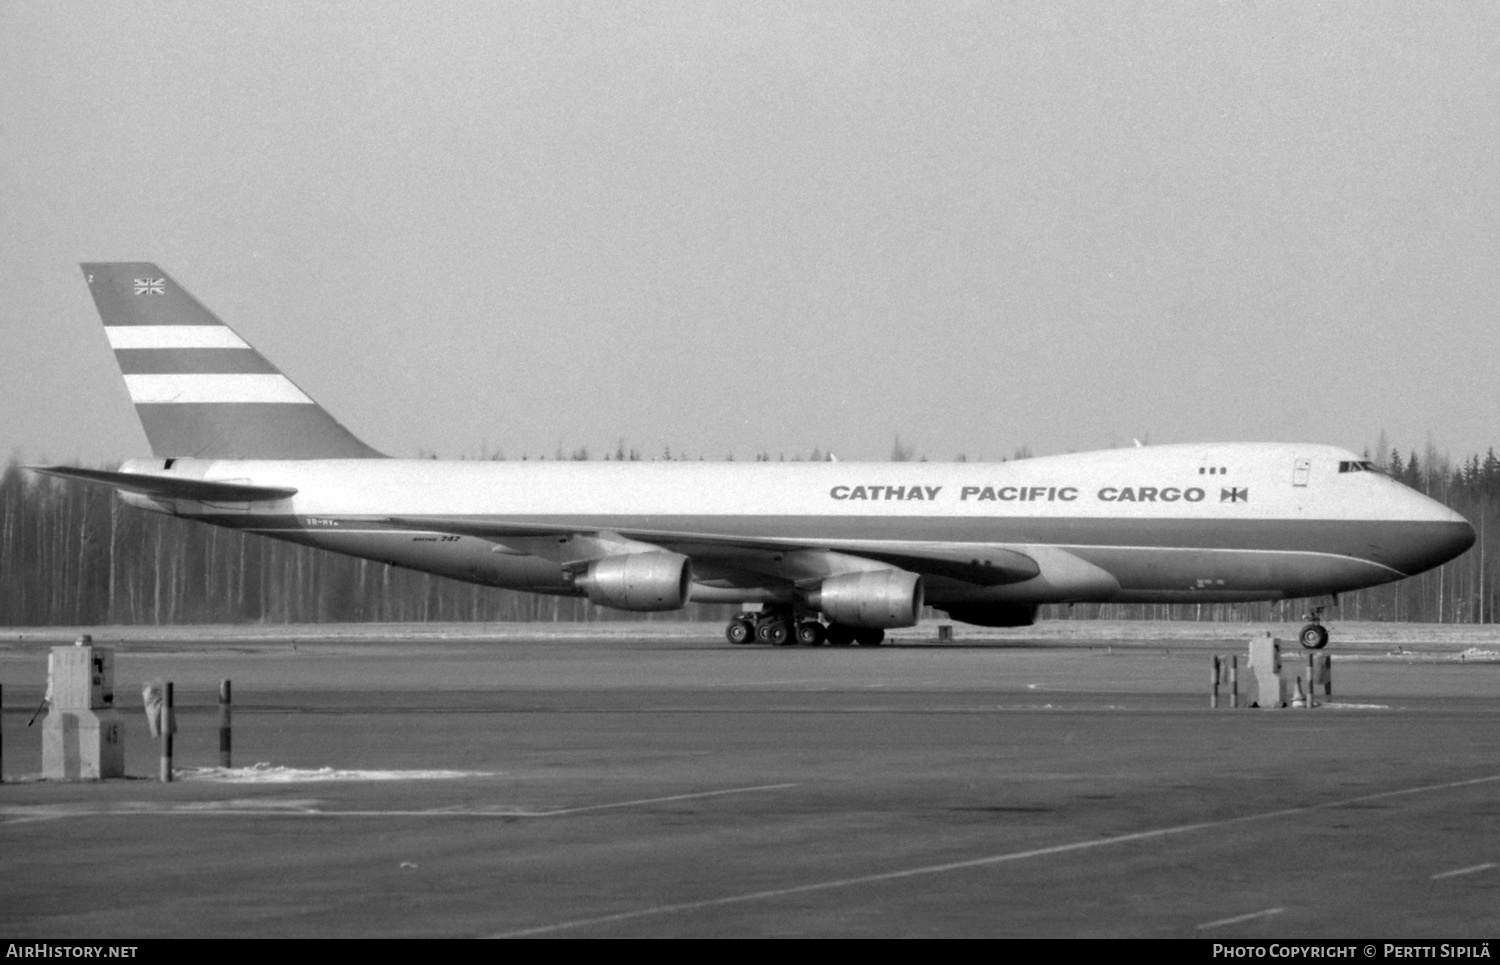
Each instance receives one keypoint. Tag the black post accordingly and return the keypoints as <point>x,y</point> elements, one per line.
<point>224,723</point>
<point>166,735</point>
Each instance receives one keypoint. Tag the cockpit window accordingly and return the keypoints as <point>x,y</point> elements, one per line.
<point>1362,465</point>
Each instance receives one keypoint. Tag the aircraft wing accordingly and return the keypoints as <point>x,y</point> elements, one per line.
<point>980,565</point>
<point>171,487</point>
<point>781,559</point>
<point>485,528</point>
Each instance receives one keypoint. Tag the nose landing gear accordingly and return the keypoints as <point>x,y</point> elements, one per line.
<point>1314,636</point>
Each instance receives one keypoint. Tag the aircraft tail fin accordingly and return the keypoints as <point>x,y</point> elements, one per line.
<point>198,388</point>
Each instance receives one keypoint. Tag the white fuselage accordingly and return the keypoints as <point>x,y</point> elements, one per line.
<point>1211,522</point>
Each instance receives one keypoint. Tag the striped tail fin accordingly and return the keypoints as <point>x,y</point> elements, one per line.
<point>198,388</point>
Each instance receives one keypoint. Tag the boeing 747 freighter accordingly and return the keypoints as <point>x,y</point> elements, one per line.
<point>833,552</point>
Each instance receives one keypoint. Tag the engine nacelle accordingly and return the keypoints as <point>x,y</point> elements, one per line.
<point>994,614</point>
<point>639,581</point>
<point>876,598</point>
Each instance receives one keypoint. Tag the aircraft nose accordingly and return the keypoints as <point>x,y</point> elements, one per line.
<point>1459,534</point>
<point>1438,534</point>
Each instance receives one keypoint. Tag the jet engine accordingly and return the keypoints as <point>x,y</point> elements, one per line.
<point>875,598</point>
<point>639,581</point>
<point>994,614</point>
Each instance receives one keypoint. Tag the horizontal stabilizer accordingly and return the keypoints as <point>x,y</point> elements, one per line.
<point>171,487</point>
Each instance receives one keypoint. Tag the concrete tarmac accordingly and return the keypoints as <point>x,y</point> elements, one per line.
<point>655,781</point>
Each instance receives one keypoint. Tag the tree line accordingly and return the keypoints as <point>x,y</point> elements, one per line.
<point>73,555</point>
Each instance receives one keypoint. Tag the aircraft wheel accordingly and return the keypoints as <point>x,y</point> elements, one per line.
<point>774,632</point>
<point>869,636</point>
<point>1314,636</point>
<point>740,631</point>
<point>810,633</point>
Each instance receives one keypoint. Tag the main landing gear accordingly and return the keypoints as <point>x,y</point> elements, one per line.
<point>1314,636</point>
<point>783,626</point>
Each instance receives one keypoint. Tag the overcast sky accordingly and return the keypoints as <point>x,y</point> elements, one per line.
<point>739,227</point>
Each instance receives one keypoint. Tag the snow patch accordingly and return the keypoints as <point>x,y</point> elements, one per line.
<point>265,773</point>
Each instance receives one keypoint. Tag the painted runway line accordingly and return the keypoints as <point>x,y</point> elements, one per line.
<point>987,861</point>
<point>16,814</point>
<point>663,800</point>
<point>550,812</point>
<point>1239,918</point>
<point>1464,871</point>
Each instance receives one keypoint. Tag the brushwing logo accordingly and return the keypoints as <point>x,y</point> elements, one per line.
<point>150,286</point>
<point>1235,495</point>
